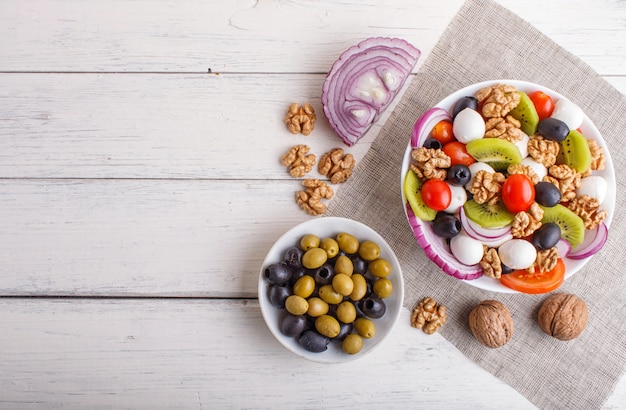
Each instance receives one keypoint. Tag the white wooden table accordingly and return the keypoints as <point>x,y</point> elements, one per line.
<point>140,187</point>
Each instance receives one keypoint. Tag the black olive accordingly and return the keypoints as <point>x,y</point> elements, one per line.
<point>297,273</point>
<point>344,330</point>
<point>293,325</point>
<point>547,236</point>
<point>547,194</point>
<point>277,295</point>
<point>324,274</point>
<point>553,129</point>
<point>313,342</point>
<point>463,103</point>
<point>446,225</point>
<point>373,307</point>
<point>505,269</point>
<point>360,264</point>
<point>293,256</point>
<point>459,175</point>
<point>277,273</point>
<point>432,143</point>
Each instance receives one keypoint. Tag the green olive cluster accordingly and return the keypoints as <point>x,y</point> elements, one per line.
<point>331,289</point>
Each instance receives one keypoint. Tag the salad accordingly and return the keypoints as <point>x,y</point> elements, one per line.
<point>508,184</point>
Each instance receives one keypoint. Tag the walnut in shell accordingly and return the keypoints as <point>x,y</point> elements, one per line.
<point>491,323</point>
<point>563,315</point>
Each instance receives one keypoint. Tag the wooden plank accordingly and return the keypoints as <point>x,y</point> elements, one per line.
<point>215,354</point>
<point>160,126</point>
<point>140,237</point>
<point>167,36</point>
<point>156,126</point>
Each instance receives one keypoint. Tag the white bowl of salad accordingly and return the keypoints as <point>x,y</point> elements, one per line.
<point>509,186</point>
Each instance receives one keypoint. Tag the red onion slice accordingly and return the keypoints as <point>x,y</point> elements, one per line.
<point>593,242</point>
<point>493,238</point>
<point>363,82</point>
<point>425,124</point>
<point>437,251</point>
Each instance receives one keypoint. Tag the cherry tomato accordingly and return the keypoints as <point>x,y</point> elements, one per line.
<point>457,153</point>
<point>538,282</point>
<point>442,132</point>
<point>543,104</point>
<point>518,193</point>
<point>436,194</point>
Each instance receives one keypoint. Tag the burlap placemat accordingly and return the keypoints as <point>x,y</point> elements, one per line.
<point>485,42</point>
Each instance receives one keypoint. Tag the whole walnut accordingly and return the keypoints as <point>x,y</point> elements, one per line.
<point>491,323</point>
<point>563,316</point>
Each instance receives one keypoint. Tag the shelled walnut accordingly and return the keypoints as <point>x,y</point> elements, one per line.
<point>336,166</point>
<point>563,316</point>
<point>300,119</point>
<point>311,198</point>
<point>428,315</point>
<point>430,163</point>
<point>491,323</point>
<point>298,160</point>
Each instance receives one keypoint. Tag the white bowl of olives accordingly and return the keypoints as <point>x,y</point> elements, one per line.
<point>331,290</point>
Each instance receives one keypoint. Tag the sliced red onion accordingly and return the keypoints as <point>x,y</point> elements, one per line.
<point>425,124</point>
<point>436,249</point>
<point>493,238</point>
<point>363,82</point>
<point>593,242</point>
<point>563,247</point>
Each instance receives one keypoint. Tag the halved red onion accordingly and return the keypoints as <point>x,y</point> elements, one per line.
<point>492,237</point>
<point>425,124</point>
<point>593,242</point>
<point>436,249</point>
<point>363,82</point>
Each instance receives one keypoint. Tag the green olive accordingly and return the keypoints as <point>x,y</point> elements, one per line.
<point>327,325</point>
<point>309,241</point>
<point>330,246</point>
<point>383,288</point>
<point>380,267</point>
<point>348,243</point>
<point>314,258</point>
<point>344,265</point>
<point>296,305</point>
<point>304,286</point>
<point>343,284</point>
<point>317,307</point>
<point>352,344</point>
<point>329,295</point>
<point>365,327</point>
<point>359,287</point>
<point>369,250</point>
<point>346,312</point>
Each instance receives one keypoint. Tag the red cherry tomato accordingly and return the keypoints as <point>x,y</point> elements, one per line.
<point>436,194</point>
<point>535,283</point>
<point>457,153</point>
<point>442,132</point>
<point>543,104</point>
<point>518,193</point>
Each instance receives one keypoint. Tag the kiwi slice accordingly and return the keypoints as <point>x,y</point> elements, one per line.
<point>526,113</point>
<point>488,216</point>
<point>412,186</point>
<point>496,152</point>
<point>575,151</point>
<point>572,226</point>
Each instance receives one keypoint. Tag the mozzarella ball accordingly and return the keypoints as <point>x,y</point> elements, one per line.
<point>459,197</point>
<point>593,186</point>
<point>467,250</point>
<point>517,254</point>
<point>569,113</point>
<point>468,125</point>
<point>522,145</point>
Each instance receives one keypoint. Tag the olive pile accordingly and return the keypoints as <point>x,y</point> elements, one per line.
<point>331,289</point>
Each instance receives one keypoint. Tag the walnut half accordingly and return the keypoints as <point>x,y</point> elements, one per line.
<point>311,198</point>
<point>336,166</point>
<point>428,315</point>
<point>300,119</point>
